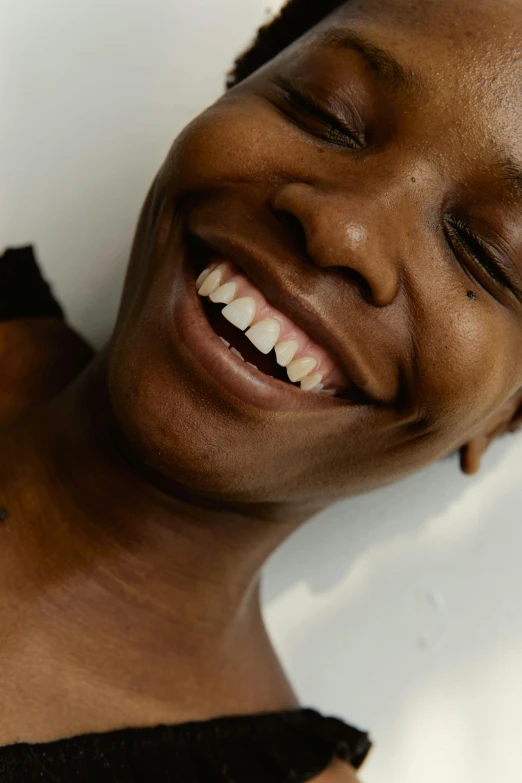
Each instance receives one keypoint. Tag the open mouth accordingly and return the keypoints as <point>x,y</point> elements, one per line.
<point>261,335</point>
<point>240,345</point>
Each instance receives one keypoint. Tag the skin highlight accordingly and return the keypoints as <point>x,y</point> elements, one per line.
<point>157,492</point>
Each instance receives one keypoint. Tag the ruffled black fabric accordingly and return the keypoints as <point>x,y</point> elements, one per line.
<point>279,747</point>
<point>23,291</point>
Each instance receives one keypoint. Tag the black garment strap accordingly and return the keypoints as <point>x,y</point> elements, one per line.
<point>23,291</point>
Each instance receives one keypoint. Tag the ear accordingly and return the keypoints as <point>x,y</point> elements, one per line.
<point>507,419</point>
<point>471,454</point>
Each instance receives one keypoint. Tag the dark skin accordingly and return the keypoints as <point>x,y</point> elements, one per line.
<point>39,358</point>
<point>158,487</point>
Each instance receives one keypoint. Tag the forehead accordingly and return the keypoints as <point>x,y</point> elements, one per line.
<point>484,38</point>
<point>452,20</point>
<point>467,57</point>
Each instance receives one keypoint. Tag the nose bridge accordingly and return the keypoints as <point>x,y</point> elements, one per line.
<point>357,231</point>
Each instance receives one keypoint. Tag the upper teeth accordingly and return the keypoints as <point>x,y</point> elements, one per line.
<point>210,282</point>
<point>240,312</point>
<point>224,294</point>
<point>300,368</point>
<point>201,279</point>
<point>285,351</point>
<point>265,333</point>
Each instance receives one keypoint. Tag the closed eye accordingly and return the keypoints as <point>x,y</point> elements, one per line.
<point>480,252</point>
<point>305,109</point>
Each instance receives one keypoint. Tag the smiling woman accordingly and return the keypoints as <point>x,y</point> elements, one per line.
<point>323,296</point>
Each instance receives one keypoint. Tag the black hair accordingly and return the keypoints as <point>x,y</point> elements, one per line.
<point>294,19</point>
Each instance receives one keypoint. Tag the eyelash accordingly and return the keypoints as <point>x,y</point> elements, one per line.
<point>479,250</point>
<point>338,132</point>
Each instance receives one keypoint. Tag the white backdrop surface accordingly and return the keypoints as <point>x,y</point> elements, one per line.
<point>398,611</point>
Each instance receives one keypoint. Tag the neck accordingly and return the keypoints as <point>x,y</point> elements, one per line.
<point>118,581</point>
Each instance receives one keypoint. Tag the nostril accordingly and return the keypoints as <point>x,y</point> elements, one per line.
<point>294,228</point>
<point>297,235</point>
<point>360,281</point>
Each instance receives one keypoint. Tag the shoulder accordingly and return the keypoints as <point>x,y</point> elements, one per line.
<point>39,357</point>
<point>337,772</point>
<point>39,353</point>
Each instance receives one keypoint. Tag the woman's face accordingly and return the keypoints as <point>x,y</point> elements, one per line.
<point>367,184</point>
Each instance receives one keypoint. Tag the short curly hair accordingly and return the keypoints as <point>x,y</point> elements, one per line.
<point>294,19</point>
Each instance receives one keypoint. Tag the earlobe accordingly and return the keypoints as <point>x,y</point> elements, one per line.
<point>471,455</point>
<point>507,418</point>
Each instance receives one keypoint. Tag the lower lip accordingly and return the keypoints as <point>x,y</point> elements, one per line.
<point>230,372</point>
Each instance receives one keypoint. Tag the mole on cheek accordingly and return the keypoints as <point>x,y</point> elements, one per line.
<point>471,295</point>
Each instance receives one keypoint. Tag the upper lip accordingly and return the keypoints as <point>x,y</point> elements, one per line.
<point>304,311</point>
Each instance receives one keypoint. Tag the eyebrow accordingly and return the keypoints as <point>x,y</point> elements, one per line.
<point>380,61</point>
<point>510,172</point>
<point>390,70</point>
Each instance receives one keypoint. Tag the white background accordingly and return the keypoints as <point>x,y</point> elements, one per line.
<point>398,611</point>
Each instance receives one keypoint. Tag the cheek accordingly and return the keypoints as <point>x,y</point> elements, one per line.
<point>473,363</point>
<point>232,141</point>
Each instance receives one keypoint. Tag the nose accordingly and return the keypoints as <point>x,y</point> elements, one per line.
<point>337,230</point>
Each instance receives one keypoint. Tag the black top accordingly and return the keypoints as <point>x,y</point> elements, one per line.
<point>23,291</point>
<point>277,747</point>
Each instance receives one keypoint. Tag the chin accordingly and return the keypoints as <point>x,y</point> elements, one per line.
<point>176,439</point>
